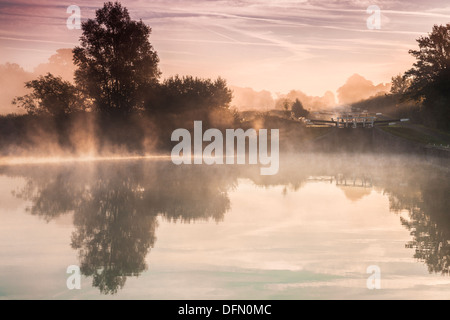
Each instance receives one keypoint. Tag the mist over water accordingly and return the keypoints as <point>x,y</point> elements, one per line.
<point>324,219</point>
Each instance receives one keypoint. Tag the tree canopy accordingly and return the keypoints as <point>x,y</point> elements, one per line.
<point>400,84</point>
<point>51,95</point>
<point>178,94</point>
<point>433,58</point>
<point>116,62</point>
<point>298,110</point>
<point>117,72</point>
<point>429,79</point>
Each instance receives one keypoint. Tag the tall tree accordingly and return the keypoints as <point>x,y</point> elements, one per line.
<point>430,76</point>
<point>433,57</point>
<point>116,62</point>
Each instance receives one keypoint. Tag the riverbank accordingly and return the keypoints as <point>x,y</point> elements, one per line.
<point>86,134</point>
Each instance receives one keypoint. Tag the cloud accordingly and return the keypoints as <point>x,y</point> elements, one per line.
<point>358,88</point>
<point>309,102</point>
<point>273,45</point>
<point>249,99</point>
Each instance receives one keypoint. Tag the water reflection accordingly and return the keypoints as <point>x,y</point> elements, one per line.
<point>116,204</point>
<point>425,195</point>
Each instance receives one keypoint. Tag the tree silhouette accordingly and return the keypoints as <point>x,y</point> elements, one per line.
<point>116,62</point>
<point>400,84</point>
<point>51,95</point>
<point>433,57</point>
<point>298,110</point>
<point>117,76</point>
<point>180,94</point>
<point>430,76</point>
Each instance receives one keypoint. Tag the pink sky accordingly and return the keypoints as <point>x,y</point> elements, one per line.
<point>313,46</point>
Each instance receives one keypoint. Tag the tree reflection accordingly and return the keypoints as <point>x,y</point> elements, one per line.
<point>424,194</point>
<point>51,194</point>
<point>113,233</point>
<point>116,205</point>
<point>116,208</point>
<point>420,188</point>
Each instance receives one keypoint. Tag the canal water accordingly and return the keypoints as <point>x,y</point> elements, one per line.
<point>326,227</point>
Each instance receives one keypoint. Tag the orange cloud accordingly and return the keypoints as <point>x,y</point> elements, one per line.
<point>358,88</point>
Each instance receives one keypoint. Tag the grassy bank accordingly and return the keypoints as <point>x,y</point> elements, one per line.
<point>90,133</point>
<point>424,136</point>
